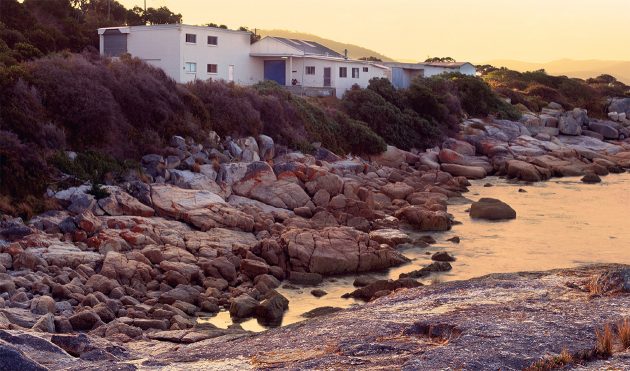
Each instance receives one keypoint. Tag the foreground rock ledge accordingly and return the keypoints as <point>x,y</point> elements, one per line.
<point>505,321</point>
<point>500,321</point>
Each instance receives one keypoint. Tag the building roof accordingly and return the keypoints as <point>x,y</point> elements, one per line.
<point>445,64</point>
<point>127,29</point>
<point>309,47</point>
<point>419,66</point>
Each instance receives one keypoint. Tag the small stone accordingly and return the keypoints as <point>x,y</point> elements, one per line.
<point>455,239</point>
<point>591,178</point>
<point>318,293</point>
<point>442,256</point>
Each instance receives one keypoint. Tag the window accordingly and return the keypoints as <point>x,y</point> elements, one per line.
<point>365,69</point>
<point>191,38</point>
<point>310,70</point>
<point>190,67</point>
<point>343,71</point>
<point>355,73</point>
<point>212,68</point>
<point>213,40</point>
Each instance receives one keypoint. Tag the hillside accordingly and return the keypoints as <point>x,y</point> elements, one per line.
<point>354,51</point>
<point>572,68</point>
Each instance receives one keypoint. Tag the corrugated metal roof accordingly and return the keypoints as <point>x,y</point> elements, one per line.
<point>309,47</point>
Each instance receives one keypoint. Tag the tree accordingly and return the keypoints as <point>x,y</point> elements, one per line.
<point>440,59</point>
<point>161,15</point>
<point>253,37</point>
<point>370,59</point>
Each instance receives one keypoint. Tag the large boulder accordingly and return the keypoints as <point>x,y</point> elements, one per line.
<point>84,321</point>
<point>243,306</point>
<point>244,176</point>
<point>391,237</point>
<point>249,149</point>
<point>174,202</point>
<point>117,267</point>
<point>281,194</point>
<point>394,157</point>
<point>336,250</point>
<point>190,180</point>
<point>423,219</point>
<point>570,123</point>
<point>491,209</point>
<point>525,171</point>
<point>219,215</point>
<point>470,172</point>
<point>459,146</point>
<point>620,105</point>
<point>607,129</point>
<point>398,190</point>
<point>266,147</point>
<point>271,310</point>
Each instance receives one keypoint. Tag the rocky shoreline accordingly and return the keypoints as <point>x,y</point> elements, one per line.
<point>221,225</point>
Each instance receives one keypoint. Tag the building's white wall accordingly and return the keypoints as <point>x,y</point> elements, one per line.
<point>344,84</point>
<point>233,49</point>
<point>468,69</point>
<point>296,69</point>
<point>158,47</point>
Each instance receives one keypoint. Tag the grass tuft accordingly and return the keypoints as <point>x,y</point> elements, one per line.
<point>604,344</point>
<point>623,332</point>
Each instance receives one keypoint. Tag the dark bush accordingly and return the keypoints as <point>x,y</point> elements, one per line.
<point>22,168</point>
<point>405,130</point>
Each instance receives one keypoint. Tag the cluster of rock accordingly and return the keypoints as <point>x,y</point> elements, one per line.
<point>554,143</point>
<point>619,111</point>
<point>221,225</point>
<point>215,228</point>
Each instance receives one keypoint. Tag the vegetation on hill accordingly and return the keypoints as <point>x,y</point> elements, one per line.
<point>418,117</point>
<point>535,89</point>
<point>34,28</point>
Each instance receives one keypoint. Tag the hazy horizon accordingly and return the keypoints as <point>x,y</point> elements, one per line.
<point>539,31</point>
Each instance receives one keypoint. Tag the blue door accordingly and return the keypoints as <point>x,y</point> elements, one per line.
<point>275,71</point>
<point>398,78</point>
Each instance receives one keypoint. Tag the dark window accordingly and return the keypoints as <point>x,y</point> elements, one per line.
<point>355,73</point>
<point>343,71</point>
<point>213,40</point>
<point>365,69</point>
<point>191,38</point>
<point>114,43</point>
<point>212,68</point>
<point>310,70</point>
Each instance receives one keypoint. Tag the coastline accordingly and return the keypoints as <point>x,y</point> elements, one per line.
<point>139,266</point>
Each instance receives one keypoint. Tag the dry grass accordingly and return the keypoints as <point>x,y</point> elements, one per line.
<point>623,332</point>
<point>552,363</point>
<point>594,287</point>
<point>604,344</point>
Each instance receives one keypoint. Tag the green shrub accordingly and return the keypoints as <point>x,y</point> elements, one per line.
<point>91,166</point>
<point>98,191</point>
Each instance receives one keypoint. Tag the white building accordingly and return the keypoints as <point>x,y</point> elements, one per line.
<point>309,68</point>
<point>187,53</point>
<point>403,73</point>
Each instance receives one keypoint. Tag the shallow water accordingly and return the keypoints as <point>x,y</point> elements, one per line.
<point>560,223</point>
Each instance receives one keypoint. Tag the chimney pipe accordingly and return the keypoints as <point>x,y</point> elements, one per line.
<point>345,53</point>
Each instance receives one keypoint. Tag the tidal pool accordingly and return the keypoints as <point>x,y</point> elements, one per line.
<point>560,223</point>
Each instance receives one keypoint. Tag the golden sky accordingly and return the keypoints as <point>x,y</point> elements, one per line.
<point>473,30</point>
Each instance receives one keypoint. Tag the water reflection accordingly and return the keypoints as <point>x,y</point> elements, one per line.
<point>560,223</point>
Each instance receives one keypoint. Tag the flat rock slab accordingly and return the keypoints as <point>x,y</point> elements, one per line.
<point>500,321</point>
